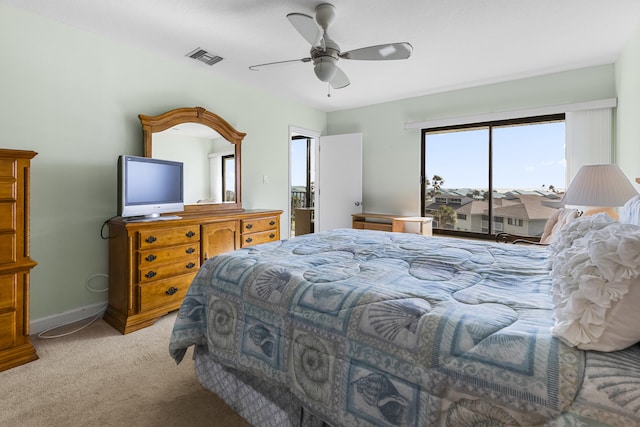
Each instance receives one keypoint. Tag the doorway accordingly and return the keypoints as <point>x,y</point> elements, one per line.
<point>302,178</point>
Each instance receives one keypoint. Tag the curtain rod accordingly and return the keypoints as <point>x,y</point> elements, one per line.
<point>505,115</point>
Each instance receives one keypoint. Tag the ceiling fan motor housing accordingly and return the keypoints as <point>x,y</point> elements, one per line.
<point>324,60</point>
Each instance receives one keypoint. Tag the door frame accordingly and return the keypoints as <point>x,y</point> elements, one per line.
<point>311,134</point>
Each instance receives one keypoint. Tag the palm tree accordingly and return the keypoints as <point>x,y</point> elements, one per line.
<point>436,183</point>
<point>446,216</point>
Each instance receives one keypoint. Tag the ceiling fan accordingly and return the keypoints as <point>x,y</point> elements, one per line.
<point>325,53</point>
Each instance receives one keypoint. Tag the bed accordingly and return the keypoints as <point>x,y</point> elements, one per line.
<point>371,328</point>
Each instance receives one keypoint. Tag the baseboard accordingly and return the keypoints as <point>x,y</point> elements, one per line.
<point>37,326</point>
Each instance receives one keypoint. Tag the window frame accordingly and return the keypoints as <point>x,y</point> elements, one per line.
<point>490,234</point>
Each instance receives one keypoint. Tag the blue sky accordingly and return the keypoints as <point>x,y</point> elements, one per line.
<point>525,157</point>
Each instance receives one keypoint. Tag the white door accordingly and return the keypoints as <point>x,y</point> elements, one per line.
<point>339,181</point>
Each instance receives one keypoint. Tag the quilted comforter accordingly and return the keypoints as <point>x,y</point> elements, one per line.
<point>395,329</point>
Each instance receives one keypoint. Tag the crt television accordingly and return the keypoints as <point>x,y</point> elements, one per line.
<point>148,187</point>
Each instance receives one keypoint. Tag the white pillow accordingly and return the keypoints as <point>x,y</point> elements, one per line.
<point>595,269</point>
<point>630,212</point>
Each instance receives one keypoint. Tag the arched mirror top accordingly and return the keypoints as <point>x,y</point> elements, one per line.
<point>228,196</point>
<point>151,124</point>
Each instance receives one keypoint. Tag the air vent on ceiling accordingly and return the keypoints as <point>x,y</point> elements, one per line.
<point>204,56</point>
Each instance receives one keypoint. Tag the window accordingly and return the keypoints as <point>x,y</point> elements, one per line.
<point>512,171</point>
<point>228,178</point>
<point>517,222</point>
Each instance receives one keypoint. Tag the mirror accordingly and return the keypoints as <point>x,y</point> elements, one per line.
<point>210,149</point>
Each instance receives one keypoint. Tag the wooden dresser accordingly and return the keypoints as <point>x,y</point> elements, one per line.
<point>152,264</point>
<point>15,261</point>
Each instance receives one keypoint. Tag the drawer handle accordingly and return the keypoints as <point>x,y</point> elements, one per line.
<point>249,240</point>
<point>150,239</point>
<point>190,251</point>
<point>151,257</point>
<point>190,234</point>
<point>150,274</point>
<point>271,236</point>
<point>272,222</point>
<point>190,265</point>
<point>172,290</point>
<point>249,226</point>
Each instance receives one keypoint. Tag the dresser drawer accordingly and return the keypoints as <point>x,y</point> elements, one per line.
<point>257,225</point>
<point>163,271</point>
<point>152,257</point>
<point>7,216</point>
<point>8,190</point>
<point>168,236</point>
<point>7,292</point>
<point>7,248</point>
<point>7,168</point>
<point>164,293</point>
<point>251,239</point>
<point>7,329</point>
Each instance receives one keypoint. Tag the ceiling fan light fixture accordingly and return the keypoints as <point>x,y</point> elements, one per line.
<point>325,68</point>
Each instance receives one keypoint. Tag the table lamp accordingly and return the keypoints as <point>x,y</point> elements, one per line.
<point>601,187</point>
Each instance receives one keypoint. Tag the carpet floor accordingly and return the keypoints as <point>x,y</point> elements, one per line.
<point>98,377</point>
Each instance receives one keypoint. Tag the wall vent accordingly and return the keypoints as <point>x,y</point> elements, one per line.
<point>204,56</point>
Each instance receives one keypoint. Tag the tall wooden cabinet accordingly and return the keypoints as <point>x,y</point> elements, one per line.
<point>15,261</point>
<point>152,264</point>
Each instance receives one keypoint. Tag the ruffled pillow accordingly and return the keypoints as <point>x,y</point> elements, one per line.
<point>595,269</point>
<point>630,212</point>
<point>578,228</point>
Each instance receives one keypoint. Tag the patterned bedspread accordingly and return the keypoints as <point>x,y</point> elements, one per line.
<point>394,329</point>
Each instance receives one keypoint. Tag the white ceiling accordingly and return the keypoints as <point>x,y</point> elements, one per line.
<point>457,43</point>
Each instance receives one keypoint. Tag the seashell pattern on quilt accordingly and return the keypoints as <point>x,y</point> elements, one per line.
<point>370,328</point>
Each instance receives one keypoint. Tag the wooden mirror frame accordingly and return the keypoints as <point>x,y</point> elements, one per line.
<point>151,124</point>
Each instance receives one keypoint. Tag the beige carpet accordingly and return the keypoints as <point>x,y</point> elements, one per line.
<point>98,377</point>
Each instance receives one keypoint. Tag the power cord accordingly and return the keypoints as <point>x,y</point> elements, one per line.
<point>91,321</point>
<point>104,224</point>
<point>94,317</point>
<point>91,318</point>
<point>89,288</point>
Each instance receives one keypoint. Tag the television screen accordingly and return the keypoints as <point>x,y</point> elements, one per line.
<point>148,187</point>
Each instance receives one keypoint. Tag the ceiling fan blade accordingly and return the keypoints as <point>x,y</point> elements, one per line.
<point>307,27</point>
<point>382,52</point>
<point>256,67</point>
<point>339,79</point>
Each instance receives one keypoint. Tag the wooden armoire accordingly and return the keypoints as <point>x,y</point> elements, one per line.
<point>15,260</point>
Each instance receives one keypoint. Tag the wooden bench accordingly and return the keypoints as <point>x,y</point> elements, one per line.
<point>385,222</point>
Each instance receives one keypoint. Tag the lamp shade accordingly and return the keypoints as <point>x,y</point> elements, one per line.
<point>599,185</point>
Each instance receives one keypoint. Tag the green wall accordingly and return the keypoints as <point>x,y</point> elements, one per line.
<point>391,154</point>
<point>74,98</point>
